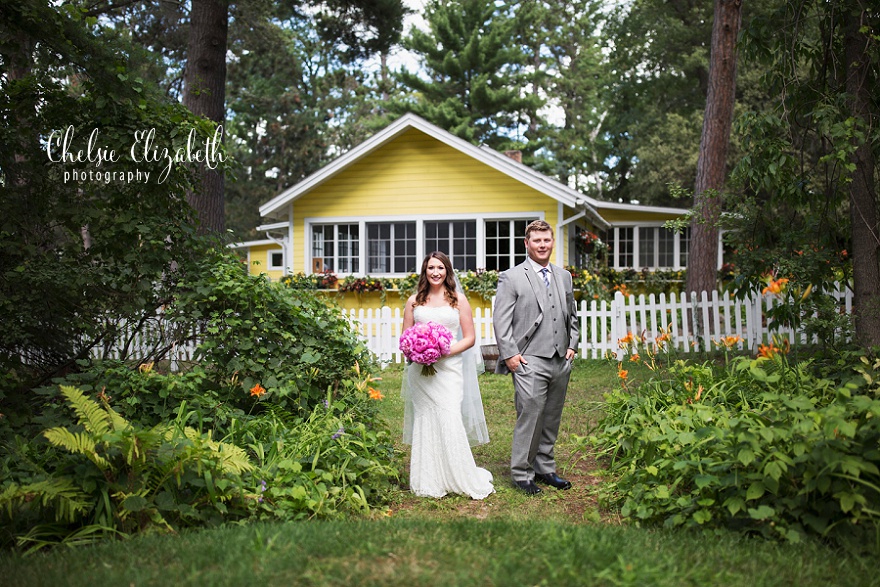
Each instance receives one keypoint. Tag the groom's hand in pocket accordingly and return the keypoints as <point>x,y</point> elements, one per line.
<point>514,362</point>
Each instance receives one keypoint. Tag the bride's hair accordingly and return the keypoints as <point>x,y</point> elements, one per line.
<point>449,283</point>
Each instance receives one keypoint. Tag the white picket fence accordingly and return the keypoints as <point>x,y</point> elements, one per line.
<point>693,323</point>
<point>602,324</point>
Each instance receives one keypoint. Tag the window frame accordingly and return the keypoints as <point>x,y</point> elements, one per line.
<point>310,223</point>
<point>270,254</point>
<point>678,253</point>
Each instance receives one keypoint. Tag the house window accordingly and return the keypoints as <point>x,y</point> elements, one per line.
<point>335,247</point>
<point>647,247</point>
<point>656,247</point>
<point>505,245</point>
<point>684,245</point>
<point>391,247</point>
<point>276,260</point>
<point>457,238</point>
<point>624,247</point>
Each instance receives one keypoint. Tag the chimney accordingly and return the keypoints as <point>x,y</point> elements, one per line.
<point>515,155</point>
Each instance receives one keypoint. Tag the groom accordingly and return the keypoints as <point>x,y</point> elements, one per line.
<point>536,328</point>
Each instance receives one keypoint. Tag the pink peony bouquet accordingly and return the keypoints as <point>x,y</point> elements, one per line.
<point>424,343</point>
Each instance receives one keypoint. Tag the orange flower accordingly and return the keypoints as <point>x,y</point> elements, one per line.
<point>375,394</point>
<point>257,390</point>
<point>767,350</point>
<point>728,342</point>
<point>634,358</point>
<point>775,286</point>
<point>622,373</point>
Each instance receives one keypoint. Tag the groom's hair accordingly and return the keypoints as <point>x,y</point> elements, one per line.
<point>538,226</point>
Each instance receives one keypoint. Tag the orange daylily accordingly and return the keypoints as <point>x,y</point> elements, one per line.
<point>767,350</point>
<point>375,394</point>
<point>257,390</point>
<point>775,286</point>
<point>729,342</point>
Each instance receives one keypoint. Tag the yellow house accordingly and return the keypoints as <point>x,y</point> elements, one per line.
<point>413,188</point>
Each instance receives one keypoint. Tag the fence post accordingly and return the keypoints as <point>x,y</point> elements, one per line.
<point>618,322</point>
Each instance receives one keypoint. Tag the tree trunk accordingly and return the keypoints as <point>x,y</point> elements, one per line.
<point>862,189</point>
<point>714,142</point>
<point>204,93</point>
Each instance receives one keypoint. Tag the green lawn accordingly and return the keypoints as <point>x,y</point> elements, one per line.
<point>558,538</point>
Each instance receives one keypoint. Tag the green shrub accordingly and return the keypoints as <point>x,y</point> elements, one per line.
<point>253,332</point>
<point>759,445</point>
<point>333,462</point>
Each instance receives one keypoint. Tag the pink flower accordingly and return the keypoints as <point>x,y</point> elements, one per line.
<point>424,343</point>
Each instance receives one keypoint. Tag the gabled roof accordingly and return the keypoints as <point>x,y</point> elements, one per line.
<point>528,176</point>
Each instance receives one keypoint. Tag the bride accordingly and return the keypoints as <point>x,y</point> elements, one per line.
<point>444,413</point>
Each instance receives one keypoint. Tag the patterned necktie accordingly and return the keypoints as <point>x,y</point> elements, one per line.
<point>545,275</point>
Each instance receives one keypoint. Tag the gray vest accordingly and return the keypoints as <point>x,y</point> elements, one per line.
<point>551,336</point>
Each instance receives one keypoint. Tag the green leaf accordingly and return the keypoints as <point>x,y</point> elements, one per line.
<point>702,516</point>
<point>847,501</point>
<point>734,505</point>
<point>773,470</point>
<point>755,491</point>
<point>746,456</point>
<point>702,481</point>
<point>761,512</point>
<point>134,503</point>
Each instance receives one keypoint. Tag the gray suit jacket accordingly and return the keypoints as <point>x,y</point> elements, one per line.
<point>520,309</point>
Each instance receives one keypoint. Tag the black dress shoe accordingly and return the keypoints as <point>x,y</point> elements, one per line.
<point>527,487</point>
<point>553,480</point>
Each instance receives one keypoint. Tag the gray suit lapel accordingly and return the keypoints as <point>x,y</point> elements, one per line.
<point>538,287</point>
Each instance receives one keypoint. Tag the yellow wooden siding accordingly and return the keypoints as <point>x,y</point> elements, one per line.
<point>259,261</point>
<point>416,175</point>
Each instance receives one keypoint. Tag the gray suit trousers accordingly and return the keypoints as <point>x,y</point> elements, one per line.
<point>539,387</point>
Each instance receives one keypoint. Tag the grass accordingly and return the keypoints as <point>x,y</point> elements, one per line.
<point>590,379</point>
<point>558,538</point>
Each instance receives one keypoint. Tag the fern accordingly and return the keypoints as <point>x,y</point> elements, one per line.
<point>59,494</point>
<point>91,416</point>
<point>77,443</point>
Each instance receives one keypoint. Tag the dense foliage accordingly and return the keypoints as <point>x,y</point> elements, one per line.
<point>769,446</point>
<point>276,419</point>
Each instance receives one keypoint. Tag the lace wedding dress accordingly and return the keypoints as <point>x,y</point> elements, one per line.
<point>441,460</point>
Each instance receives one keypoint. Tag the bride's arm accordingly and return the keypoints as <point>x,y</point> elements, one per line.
<point>466,320</point>
<point>408,319</point>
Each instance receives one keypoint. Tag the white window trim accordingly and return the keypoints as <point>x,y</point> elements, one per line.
<point>638,266</point>
<point>270,253</point>
<point>362,221</point>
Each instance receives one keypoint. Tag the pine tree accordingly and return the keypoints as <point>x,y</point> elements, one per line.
<point>473,73</point>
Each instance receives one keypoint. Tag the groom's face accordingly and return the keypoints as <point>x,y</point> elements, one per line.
<point>539,245</point>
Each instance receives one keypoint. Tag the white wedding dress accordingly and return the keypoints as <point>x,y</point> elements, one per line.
<point>441,460</point>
